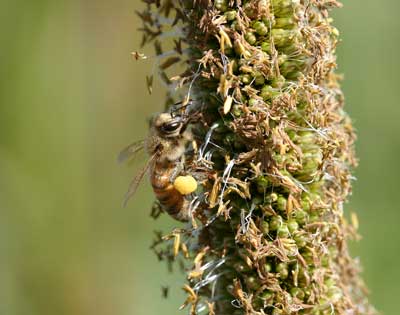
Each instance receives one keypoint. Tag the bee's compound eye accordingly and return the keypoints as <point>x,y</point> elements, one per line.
<point>171,127</point>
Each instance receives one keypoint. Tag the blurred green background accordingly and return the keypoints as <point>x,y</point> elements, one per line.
<point>72,97</point>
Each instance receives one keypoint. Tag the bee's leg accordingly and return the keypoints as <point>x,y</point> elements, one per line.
<point>156,210</point>
<point>182,163</point>
<point>179,168</point>
<point>188,135</point>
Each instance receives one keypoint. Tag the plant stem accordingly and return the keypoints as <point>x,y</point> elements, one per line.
<point>268,234</point>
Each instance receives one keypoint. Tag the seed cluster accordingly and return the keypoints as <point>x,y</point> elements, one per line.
<point>274,155</point>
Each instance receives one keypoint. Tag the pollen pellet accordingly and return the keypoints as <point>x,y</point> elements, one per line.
<point>185,184</point>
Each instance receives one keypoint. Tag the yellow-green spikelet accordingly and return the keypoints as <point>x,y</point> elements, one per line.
<point>269,236</point>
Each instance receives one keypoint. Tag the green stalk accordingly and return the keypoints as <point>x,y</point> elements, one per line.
<point>268,234</point>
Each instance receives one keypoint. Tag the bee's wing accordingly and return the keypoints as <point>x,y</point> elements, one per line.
<point>137,179</point>
<point>130,151</point>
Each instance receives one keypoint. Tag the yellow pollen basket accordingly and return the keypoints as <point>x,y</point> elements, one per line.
<point>185,184</point>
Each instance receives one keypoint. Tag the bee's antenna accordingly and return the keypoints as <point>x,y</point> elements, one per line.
<point>182,106</point>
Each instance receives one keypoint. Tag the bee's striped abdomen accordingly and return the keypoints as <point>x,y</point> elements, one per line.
<point>171,200</point>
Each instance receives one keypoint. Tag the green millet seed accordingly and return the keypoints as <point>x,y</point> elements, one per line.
<point>273,197</point>
<point>265,227</point>
<point>297,293</point>
<point>283,231</point>
<point>292,225</point>
<point>259,79</point>
<point>300,240</point>
<point>250,37</point>
<point>281,203</point>
<point>260,28</point>
<point>246,78</point>
<point>230,15</point>
<point>266,46</point>
<point>275,223</point>
<point>285,22</point>
<point>253,102</point>
<point>221,5</point>
<point>278,82</point>
<point>283,270</point>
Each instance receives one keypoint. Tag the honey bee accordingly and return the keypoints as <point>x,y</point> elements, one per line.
<point>166,144</point>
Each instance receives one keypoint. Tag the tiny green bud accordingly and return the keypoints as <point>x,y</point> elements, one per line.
<point>293,75</point>
<point>252,283</point>
<point>292,225</point>
<point>272,198</point>
<point>253,102</point>
<point>249,9</point>
<point>262,183</point>
<point>268,267</point>
<point>267,92</point>
<point>266,20</point>
<point>235,26</point>
<point>261,28</point>
<point>281,203</point>
<point>278,82</point>
<point>282,37</point>
<point>284,22</point>
<point>267,296</point>
<point>265,227</point>
<point>250,38</point>
<point>259,79</point>
<point>308,257</point>
<point>314,217</point>
<point>310,166</point>
<point>291,67</point>
<point>303,279</point>
<point>258,302</point>
<point>235,65</point>
<point>275,223</point>
<point>230,15</point>
<point>283,270</point>
<point>245,78</point>
<point>237,110</point>
<point>297,293</point>
<point>291,133</point>
<point>314,196</point>
<point>300,240</point>
<point>306,137</point>
<point>284,7</point>
<point>266,46</point>
<point>305,204</point>
<point>283,231</point>
<point>282,59</point>
<point>221,5</point>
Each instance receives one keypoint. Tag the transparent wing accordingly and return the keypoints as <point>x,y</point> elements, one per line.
<point>130,151</point>
<point>137,179</point>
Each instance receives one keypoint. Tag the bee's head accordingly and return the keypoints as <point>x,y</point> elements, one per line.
<point>169,126</point>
